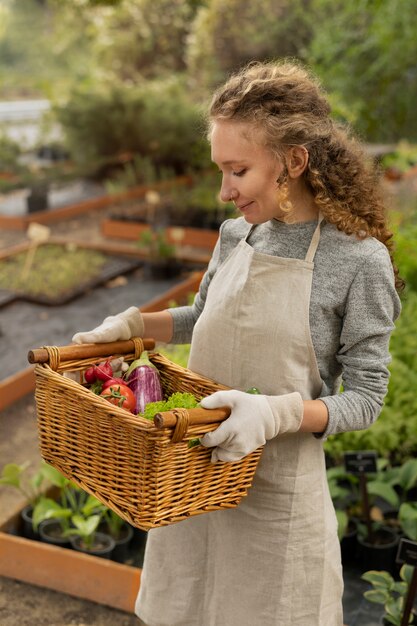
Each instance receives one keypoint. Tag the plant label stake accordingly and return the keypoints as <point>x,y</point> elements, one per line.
<point>360,463</point>
<point>407,553</point>
<point>37,233</point>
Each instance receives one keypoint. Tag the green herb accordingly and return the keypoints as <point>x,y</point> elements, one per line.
<point>194,442</point>
<point>177,400</point>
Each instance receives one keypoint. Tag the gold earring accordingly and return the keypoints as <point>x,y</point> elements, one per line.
<point>284,203</point>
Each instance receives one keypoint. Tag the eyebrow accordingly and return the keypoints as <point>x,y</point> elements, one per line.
<point>233,161</point>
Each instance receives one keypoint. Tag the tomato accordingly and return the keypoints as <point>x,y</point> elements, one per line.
<point>113,381</point>
<point>121,396</point>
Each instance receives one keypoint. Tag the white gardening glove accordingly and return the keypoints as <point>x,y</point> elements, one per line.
<point>118,327</point>
<point>254,420</point>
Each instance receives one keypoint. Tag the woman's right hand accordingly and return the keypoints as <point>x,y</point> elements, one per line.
<point>118,327</point>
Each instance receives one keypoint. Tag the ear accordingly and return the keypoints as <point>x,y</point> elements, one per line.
<point>297,160</point>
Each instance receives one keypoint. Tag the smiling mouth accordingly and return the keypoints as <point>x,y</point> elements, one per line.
<point>244,206</point>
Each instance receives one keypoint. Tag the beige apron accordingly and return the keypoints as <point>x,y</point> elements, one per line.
<point>275,559</point>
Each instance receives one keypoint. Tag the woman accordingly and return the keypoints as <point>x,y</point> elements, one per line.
<point>299,297</point>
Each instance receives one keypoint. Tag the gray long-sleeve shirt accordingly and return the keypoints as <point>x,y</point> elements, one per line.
<point>353,308</point>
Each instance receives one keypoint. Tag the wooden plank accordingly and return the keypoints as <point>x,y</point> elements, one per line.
<point>16,386</point>
<point>68,571</point>
<point>94,204</point>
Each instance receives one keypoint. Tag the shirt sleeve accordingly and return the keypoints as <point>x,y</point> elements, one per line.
<point>371,309</point>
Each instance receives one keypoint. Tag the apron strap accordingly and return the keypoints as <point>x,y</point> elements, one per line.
<point>250,231</point>
<point>312,249</point>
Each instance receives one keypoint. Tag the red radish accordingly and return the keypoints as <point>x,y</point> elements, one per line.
<point>90,375</point>
<point>104,371</point>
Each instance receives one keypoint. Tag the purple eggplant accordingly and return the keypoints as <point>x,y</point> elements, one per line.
<point>143,379</point>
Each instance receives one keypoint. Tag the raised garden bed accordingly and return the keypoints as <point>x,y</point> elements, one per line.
<point>80,208</point>
<point>56,274</point>
<point>68,571</point>
<point>184,236</point>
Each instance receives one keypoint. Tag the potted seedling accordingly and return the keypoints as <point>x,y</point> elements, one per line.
<point>31,488</point>
<point>85,536</point>
<point>161,262</point>
<point>391,594</point>
<point>377,544</point>
<point>398,598</point>
<point>122,533</point>
<point>53,517</point>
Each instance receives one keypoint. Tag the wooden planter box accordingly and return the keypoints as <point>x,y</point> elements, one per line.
<point>67,571</point>
<point>194,237</point>
<point>70,211</point>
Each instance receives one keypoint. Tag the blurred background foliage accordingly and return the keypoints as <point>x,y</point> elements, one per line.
<point>133,75</point>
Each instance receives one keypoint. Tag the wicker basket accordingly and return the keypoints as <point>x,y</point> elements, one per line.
<point>144,471</point>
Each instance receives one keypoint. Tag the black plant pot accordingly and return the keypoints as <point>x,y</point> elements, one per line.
<point>138,546</point>
<point>349,543</point>
<point>37,200</point>
<point>27,524</point>
<point>103,545</point>
<point>121,551</point>
<point>381,553</point>
<point>50,531</point>
<point>139,539</point>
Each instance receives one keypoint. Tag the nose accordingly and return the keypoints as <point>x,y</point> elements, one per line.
<point>227,192</point>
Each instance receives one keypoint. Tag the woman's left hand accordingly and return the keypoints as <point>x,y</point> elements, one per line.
<point>254,420</point>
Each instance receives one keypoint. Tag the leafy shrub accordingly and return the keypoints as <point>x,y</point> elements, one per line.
<point>154,119</point>
<point>365,53</point>
<point>225,35</point>
<point>9,154</point>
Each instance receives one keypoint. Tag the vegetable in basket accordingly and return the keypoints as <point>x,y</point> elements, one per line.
<point>143,379</point>
<point>177,400</point>
<point>121,396</point>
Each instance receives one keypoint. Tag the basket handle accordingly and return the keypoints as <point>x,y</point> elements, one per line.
<point>75,352</point>
<point>180,419</point>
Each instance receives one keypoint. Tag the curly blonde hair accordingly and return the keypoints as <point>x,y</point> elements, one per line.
<point>289,106</point>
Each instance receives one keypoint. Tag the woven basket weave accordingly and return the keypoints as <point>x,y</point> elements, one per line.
<point>149,476</point>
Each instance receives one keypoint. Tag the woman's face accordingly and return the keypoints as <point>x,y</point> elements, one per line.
<point>249,171</point>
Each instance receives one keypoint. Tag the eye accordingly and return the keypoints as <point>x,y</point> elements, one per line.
<point>240,173</point>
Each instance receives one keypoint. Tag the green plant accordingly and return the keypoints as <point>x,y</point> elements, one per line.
<point>85,527</point>
<point>72,501</point>
<point>364,52</point>
<point>407,516</point>
<point>388,592</point>
<point>30,487</point>
<point>156,244</point>
<point>9,154</point>
<point>402,158</point>
<point>154,119</point>
<point>114,522</point>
